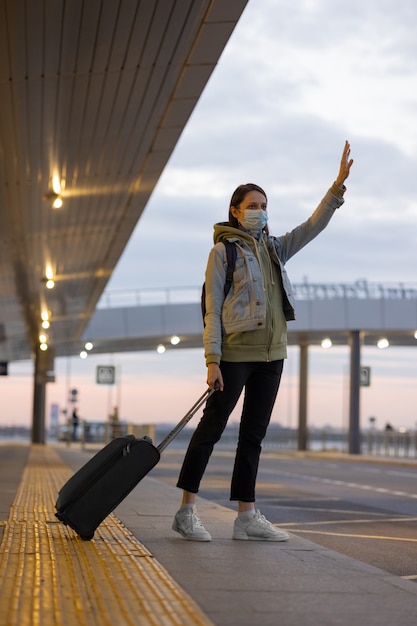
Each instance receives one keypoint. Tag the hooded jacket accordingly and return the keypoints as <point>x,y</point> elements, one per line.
<point>250,324</point>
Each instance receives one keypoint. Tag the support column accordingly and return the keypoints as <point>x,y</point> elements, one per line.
<point>39,395</point>
<point>44,372</point>
<point>302,406</point>
<point>38,418</point>
<point>354,395</point>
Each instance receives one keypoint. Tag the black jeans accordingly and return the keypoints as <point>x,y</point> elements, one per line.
<point>261,383</point>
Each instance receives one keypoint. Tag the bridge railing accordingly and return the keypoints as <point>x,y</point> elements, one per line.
<point>360,289</point>
<point>152,296</point>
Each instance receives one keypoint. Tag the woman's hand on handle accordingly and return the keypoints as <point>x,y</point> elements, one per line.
<point>214,375</point>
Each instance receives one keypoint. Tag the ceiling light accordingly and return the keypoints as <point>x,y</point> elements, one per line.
<point>83,354</point>
<point>48,279</point>
<point>42,338</point>
<point>382,343</point>
<point>326,343</point>
<point>54,198</point>
<point>415,335</point>
<point>45,324</point>
<point>43,347</point>
<point>88,345</point>
<point>175,340</point>
<point>56,184</point>
<point>160,349</point>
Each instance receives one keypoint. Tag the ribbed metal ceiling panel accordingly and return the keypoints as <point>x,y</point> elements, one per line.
<point>93,98</point>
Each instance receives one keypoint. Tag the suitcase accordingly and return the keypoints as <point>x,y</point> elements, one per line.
<point>96,489</point>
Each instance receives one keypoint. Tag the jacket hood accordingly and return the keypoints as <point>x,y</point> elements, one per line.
<point>222,230</point>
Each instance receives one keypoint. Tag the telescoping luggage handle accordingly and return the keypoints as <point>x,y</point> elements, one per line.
<point>178,428</point>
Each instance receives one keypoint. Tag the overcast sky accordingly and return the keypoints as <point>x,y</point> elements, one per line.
<point>296,79</point>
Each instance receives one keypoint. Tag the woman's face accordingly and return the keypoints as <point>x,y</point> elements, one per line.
<point>253,200</point>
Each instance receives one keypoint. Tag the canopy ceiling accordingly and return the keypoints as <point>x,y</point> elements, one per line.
<point>94,95</point>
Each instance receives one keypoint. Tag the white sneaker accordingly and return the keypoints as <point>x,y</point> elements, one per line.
<point>258,529</point>
<point>189,525</point>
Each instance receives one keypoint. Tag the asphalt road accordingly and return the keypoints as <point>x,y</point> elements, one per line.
<point>366,510</point>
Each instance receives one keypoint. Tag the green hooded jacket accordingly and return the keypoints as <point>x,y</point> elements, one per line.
<point>250,324</point>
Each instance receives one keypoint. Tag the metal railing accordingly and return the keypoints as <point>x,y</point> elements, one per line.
<point>360,289</point>
<point>394,444</point>
<point>145,297</point>
<point>89,432</point>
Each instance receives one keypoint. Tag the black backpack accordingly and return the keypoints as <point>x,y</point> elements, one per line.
<point>231,263</point>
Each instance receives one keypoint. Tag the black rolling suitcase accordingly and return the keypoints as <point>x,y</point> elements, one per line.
<point>95,490</point>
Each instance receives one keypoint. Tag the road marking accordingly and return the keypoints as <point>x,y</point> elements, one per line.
<point>323,510</point>
<point>351,535</point>
<point>331,481</point>
<point>354,521</point>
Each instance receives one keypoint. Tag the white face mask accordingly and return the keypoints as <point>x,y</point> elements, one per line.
<point>254,219</point>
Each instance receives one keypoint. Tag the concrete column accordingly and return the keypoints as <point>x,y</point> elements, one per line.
<point>39,395</point>
<point>354,395</point>
<point>44,372</point>
<point>302,407</point>
<point>38,418</point>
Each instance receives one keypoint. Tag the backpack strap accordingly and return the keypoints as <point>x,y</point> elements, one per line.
<point>231,255</point>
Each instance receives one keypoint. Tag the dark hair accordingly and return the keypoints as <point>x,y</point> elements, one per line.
<point>238,196</point>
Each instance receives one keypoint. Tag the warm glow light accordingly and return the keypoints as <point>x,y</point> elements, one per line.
<point>160,349</point>
<point>175,340</point>
<point>56,184</point>
<point>326,343</point>
<point>45,324</point>
<point>42,338</point>
<point>50,284</point>
<point>57,203</point>
<point>415,335</point>
<point>48,272</point>
<point>382,343</point>
<point>45,315</point>
<point>43,347</point>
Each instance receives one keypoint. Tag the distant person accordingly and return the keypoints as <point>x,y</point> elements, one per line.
<point>245,344</point>
<point>75,422</point>
<point>388,427</point>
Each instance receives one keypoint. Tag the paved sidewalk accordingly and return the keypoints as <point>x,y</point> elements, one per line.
<point>50,577</point>
<point>297,583</point>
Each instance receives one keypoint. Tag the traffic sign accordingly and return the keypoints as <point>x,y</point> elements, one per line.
<point>106,375</point>
<point>365,376</point>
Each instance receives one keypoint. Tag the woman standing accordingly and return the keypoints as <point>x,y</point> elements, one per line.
<point>245,344</point>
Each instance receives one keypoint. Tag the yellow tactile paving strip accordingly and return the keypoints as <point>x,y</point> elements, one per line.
<point>50,577</point>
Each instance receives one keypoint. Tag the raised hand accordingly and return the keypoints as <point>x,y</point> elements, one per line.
<point>345,165</point>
